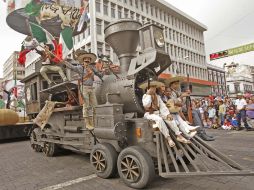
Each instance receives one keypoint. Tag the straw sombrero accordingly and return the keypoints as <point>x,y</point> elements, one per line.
<point>174,79</point>
<point>81,54</point>
<point>157,84</point>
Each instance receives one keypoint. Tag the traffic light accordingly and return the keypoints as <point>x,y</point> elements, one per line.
<point>218,55</point>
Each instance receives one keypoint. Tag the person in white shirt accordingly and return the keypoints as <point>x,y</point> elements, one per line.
<point>157,111</point>
<point>241,104</point>
<point>211,113</point>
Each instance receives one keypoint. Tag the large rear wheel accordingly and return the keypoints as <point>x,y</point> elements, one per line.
<point>135,167</point>
<point>103,158</point>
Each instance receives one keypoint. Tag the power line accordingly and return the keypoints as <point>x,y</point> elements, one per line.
<point>225,29</point>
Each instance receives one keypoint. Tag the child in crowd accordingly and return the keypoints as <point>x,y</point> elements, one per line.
<point>227,124</point>
<point>234,122</point>
<point>211,113</point>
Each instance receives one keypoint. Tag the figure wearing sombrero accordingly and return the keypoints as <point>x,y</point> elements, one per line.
<point>86,70</point>
<point>177,97</point>
<point>157,111</point>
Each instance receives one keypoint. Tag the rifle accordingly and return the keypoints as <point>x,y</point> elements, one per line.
<point>188,102</point>
<point>107,63</point>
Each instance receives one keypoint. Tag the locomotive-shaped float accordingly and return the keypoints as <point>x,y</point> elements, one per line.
<point>122,140</point>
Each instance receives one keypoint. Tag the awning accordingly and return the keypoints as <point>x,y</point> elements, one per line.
<point>191,80</point>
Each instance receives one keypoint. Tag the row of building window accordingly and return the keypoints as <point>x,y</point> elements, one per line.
<point>147,10</point>
<point>179,68</point>
<point>182,53</point>
<point>183,39</point>
<point>217,77</point>
<point>247,88</point>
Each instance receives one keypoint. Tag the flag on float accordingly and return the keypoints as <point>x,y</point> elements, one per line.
<point>65,42</point>
<point>42,35</point>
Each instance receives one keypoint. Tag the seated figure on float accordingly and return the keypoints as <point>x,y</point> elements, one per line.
<point>174,102</point>
<point>157,111</point>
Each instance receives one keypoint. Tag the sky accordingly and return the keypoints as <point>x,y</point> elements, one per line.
<point>229,22</point>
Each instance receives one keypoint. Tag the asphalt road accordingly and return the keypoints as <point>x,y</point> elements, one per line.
<point>22,168</point>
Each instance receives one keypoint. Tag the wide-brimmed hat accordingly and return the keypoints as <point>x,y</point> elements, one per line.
<point>81,54</point>
<point>157,84</point>
<point>173,79</point>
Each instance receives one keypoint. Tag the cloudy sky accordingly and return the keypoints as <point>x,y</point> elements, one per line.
<point>229,22</point>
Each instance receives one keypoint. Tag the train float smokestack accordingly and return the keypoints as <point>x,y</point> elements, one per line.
<point>123,37</point>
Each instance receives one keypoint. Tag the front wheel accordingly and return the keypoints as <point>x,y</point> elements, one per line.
<point>135,167</point>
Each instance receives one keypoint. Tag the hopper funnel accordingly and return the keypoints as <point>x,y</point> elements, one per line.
<point>123,37</point>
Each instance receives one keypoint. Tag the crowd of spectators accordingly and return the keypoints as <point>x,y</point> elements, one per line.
<point>226,113</point>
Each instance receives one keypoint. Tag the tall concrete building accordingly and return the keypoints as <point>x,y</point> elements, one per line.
<point>240,79</point>
<point>12,70</point>
<point>183,35</point>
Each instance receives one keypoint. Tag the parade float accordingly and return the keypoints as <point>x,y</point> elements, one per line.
<point>122,141</point>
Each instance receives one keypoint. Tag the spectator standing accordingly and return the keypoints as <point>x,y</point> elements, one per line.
<point>250,112</point>
<point>211,113</point>
<point>241,112</point>
<point>222,111</point>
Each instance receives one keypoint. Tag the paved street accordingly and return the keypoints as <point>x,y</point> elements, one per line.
<point>21,168</point>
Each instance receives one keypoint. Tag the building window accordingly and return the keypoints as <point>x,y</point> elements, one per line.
<point>147,8</point>
<point>107,48</point>
<point>125,13</point>
<point>106,24</point>
<point>99,48</point>
<point>237,87</point>
<point>137,17</point>
<point>98,5</point>
<point>105,7</point>
<point>130,2</point>
<point>132,15</point>
<point>98,26</point>
<point>141,5</point>
<point>113,10</point>
<point>119,12</point>
<point>136,3</point>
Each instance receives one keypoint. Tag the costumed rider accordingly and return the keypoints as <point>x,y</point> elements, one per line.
<point>157,111</point>
<point>175,104</point>
<point>180,99</point>
<point>86,70</point>
<point>48,65</point>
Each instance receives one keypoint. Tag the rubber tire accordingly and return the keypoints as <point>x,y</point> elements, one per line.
<point>52,149</point>
<point>35,147</point>
<point>145,161</point>
<point>111,160</point>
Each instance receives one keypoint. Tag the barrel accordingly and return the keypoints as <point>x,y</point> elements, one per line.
<point>8,117</point>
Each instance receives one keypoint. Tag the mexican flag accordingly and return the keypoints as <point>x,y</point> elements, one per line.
<point>65,42</point>
<point>42,35</point>
<point>33,8</point>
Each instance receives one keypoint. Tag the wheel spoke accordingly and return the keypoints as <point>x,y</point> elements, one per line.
<point>123,163</point>
<point>135,173</point>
